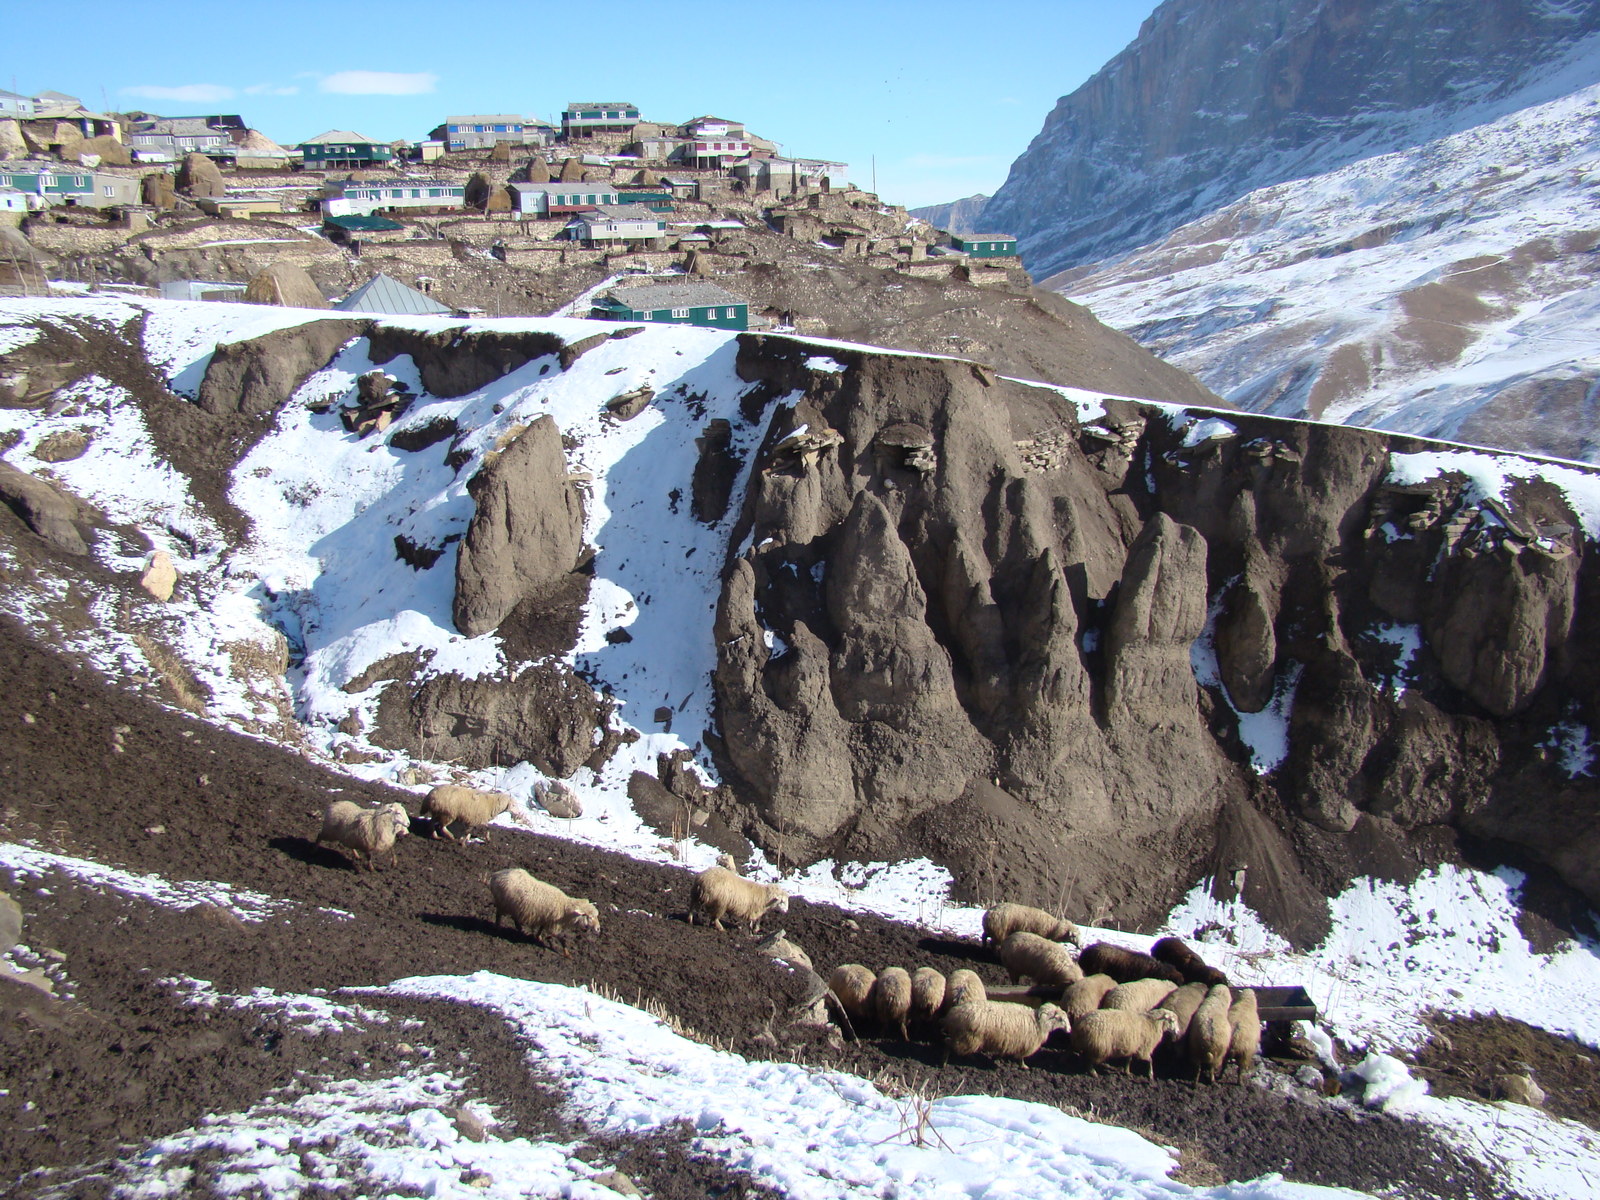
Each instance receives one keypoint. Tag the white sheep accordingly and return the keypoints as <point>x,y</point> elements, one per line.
<point>1183,1004</point>
<point>1139,996</point>
<point>718,892</point>
<point>545,909</point>
<point>1001,921</point>
<point>474,807</point>
<point>851,985</point>
<point>1109,1033</point>
<point>964,987</point>
<point>1245,1019</point>
<point>1043,961</point>
<point>364,832</point>
<point>927,993</point>
<point>891,999</point>
<point>1000,1030</point>
<point>1210,1032</point>
<point>1086,995</point>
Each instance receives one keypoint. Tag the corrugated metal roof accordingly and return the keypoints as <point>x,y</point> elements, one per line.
<point>381,294</point>
<point>672,295</point>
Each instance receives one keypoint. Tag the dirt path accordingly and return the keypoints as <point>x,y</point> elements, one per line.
<point>124,1061</point>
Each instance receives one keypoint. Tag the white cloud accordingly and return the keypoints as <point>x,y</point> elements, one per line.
<point>270,89</point>
<point>188,93</point>
<point>378,83</point>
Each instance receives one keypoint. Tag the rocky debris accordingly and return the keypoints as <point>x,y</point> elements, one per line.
<point>526,533</point>
<point>1518,1087</point>
<point>160,576</point>
<point>259,374</point>
<point>286,284</point>
<point>158,191</point>
<point>558,799</point>
<point>380,401</point>
<point>62,446</point>
<point>629,404</point>
<point>101,151</point>
<point>200,178</point>
<point>49,513</point>
<point>907,446</point>
<point>617,1182</point>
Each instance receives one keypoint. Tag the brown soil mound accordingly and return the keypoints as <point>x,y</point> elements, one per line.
<point>121,1060</point>
<point>1466,1055</point>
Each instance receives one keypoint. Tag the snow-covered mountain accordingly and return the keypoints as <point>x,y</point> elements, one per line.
<point>1447,289</point>
<point>1215,99</point>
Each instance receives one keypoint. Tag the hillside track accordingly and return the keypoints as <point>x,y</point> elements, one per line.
<point>122,1060</point>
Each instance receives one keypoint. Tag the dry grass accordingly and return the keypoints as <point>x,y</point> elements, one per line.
<point>178,683</point>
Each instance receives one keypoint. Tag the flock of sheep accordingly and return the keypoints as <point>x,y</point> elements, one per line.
<point>1114,1003</point>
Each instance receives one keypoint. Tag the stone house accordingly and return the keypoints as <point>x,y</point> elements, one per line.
<point>673,303</point>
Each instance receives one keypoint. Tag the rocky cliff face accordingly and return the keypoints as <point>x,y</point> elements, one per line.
<point>1215,99</point>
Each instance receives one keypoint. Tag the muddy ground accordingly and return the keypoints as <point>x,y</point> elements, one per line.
<point>122,1061</point>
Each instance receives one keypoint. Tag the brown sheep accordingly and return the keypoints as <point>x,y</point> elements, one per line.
<point>1175,952</point>
<point>1125,966</point>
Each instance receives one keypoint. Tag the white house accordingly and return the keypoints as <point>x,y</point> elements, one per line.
<point>16,107</point>
<point>353,198</point>
<point>617,223</point>
<point>558,199</point>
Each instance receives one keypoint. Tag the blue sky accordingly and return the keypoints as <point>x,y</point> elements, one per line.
<point>945,95</point>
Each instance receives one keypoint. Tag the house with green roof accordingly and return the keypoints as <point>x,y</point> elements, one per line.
<point>676,303</point>
<point>985,245</point>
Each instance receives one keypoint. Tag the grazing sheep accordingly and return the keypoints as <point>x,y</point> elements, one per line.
<point>1245,1019</point>
<point>851,986</point>
<point>891,999</point>
<point>927,993</point>
<point>1210,1032</point>
<point>778,946</point>
<point>546,910</point>
<point>1183,1004</point>
<point>1109,1033</point>
<point>1125,966</point>
<point>1086,995</point>
<point>1139,996</point>
<point>1000,1030</point>
<point>719,893</point>
<point>364,832</point>
<point>964,987</point>
<point>1040,959</point>
<point>1175,952</point>
<point>1001,921</point>
<point>473,807</point>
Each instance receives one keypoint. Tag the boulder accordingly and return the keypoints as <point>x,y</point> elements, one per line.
<point>10,922</point>
<point>286,284</point>
<point>106,149</point>
<point>160,576</point>
<point>159,190</point>
<point>526,533</point>
<point>11,143</point>
<point>200,178</point>
<point>43,509</point>
<point>572,171</point>
<point>558,799</point>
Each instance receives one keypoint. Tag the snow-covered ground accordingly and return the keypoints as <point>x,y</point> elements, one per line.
<point>1405,291</point>
<point>321,568</point>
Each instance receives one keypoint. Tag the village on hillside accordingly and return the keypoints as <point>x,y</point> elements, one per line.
<point>608,215</point>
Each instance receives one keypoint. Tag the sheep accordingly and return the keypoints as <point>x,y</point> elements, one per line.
<point>891,999</point>
<point>364,832</point>
<point>1183,1003</point>
<point>778,946</point>
<point>450,802</point>
<point>726,862</point>
<point>1001,921</point>
<point>1109,1033</point>
<point>1139,996</point>
<point>1086,995</point>
<point>1125,966</point>
<point>1000,1030</point>
<point>1245,1020</point>
<point>964,987</point>
<point>1210,1032</point>
<point>718,892</point>
<point>850,986</point>
<point>927,993</point>
<point>1175,952</point>
<point>1038,958</point>
<point>545,909</point>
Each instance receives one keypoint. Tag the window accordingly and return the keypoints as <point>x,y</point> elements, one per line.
<point>110,191</point>
<point>679,314</point>
<point>730,314</point>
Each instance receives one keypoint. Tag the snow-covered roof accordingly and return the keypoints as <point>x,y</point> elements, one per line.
<point>381,294</point>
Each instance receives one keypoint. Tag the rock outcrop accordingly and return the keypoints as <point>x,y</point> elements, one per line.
<point>286,284</point>
<point>526,533</point>
<point>257,375</point>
